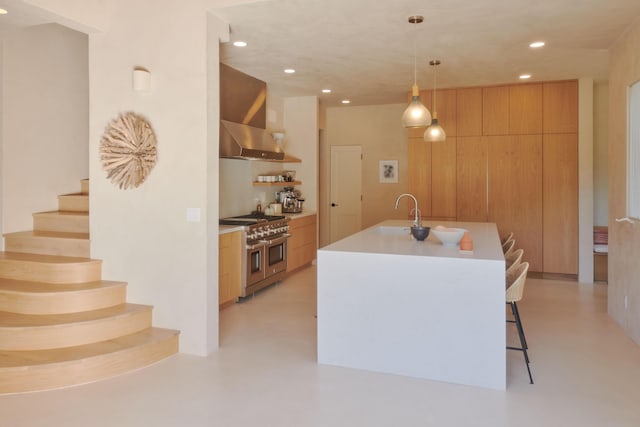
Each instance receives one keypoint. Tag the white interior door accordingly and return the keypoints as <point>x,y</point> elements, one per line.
<point>346,191</point>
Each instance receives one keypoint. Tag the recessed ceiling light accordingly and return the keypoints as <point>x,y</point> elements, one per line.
<point>326,90</point>
<point>537,44</point>
<point>239,43</point>
<point>3,11</point>
<point>289,71</point>
<point>346,101</point>
<point>525,76</point>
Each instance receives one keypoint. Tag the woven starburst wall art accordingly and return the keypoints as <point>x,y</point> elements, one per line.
<point>128,150</point>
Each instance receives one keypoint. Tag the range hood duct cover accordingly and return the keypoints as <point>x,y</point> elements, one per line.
<point>239,141</point>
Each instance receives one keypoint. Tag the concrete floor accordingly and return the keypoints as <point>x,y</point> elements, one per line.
<point>586,372</point>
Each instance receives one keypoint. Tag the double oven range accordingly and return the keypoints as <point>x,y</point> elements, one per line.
<point>265,249</point>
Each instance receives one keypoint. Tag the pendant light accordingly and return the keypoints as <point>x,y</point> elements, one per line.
<point>416,114</point>
<point>434,132</point>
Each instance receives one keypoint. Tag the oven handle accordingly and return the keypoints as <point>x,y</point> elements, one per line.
<point>276,240</point>
<point>259,245</point>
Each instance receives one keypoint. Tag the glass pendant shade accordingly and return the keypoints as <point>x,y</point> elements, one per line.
<point>435,132</point>
<point>416,115</point>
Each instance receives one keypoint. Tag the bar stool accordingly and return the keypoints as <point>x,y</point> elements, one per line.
<point>506,239</point>
<point>508,247</point>
<point>515,290</point>
<point>513,259</point>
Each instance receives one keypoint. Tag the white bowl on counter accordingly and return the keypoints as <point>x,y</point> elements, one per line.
<point>448,236</point>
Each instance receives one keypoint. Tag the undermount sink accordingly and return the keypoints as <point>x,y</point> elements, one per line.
<point>391,230</point>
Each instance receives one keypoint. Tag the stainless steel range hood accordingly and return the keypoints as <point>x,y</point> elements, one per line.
<point>239,141</point>
<point>243,101</point>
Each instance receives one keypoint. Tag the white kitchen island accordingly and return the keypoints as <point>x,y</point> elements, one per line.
<point>391,304</point>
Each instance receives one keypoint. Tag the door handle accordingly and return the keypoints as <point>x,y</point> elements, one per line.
<point>333,205</point>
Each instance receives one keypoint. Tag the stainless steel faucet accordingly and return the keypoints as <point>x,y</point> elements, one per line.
<point>416,221</point>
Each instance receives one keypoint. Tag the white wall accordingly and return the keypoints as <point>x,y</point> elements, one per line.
<point>378,129</point>
<point>600,153</point>
<point>301,125</point>
<point>142,235</point>
<point>45,133</point>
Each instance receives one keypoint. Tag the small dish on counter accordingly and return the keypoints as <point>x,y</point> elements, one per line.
<point>448,236</point>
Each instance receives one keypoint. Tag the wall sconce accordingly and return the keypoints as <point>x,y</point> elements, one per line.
<point>141,79</point>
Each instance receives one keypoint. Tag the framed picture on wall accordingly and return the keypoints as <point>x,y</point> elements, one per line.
<point>388,171</point>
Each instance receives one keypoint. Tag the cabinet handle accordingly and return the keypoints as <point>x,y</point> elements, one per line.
<point>333,205</point>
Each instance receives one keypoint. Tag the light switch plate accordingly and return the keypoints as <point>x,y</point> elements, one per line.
<point>193,214</point>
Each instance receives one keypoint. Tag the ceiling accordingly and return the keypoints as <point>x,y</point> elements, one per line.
<point>364,49</point>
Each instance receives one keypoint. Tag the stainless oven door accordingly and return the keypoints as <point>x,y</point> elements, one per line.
<point>276,255</point>
<point>255,263</point>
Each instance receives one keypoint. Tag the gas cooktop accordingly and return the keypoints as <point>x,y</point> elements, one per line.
<point>250,219</point>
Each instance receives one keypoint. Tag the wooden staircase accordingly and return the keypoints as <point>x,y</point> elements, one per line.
<point>60,323</point>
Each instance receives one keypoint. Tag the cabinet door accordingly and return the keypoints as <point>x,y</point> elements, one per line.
<point>419,172</point>
<point>443,179</point>
<point>515,191</point>
<point>560,201</point>
<point>469,107</point>
<point>471,179</point>
<point>525,109</point>
<point>560,103</point>
<point>229,267</point>
<point>495,110</point>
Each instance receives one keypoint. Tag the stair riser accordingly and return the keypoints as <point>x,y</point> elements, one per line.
<point>48,246</point>
<point>51,273</point>
<point>62,302</point>
<point>61,223</point>
<point>69,335</point>
<point>57,375</point>
<point>73,203</point>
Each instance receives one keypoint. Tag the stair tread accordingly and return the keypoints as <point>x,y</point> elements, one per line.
<point>49,234</point>
<point>21,358</point>
<point>51,259</point>
<point>25,286</point>
<point>79,195</point>
<point>17,320</point>
<point>62,213</point>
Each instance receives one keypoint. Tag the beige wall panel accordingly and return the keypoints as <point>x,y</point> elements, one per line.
<point>469,117</point>
<point>624,238</point>
<point>495,110</point>
<point>560,203</point>
<point>471,179</point>
<point>419,163</point>
<point>443,178</point>
<point>515,192</point>
<point>560,107</point>
<point>525,109</point>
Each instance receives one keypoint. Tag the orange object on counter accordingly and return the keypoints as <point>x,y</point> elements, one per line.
<point>466,244</point>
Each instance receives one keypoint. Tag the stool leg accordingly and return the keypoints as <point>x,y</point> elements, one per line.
<point>523,348</point>
<point>515,306</point>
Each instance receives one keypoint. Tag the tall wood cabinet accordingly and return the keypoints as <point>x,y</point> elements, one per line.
<point>511,158</point>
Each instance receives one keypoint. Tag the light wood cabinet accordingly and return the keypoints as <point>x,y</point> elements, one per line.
<point>301,246</point>
<point>490,168</point>
<point>419,172</point>
<point>471,179</point>
<point>443,178</point>
<point>515,191</point>
<point>229,268</point>
<point>469,103</point>
<point>495,110</point>
<point>560,201</point>
<point>525,109</point>
<point>560,107</point>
